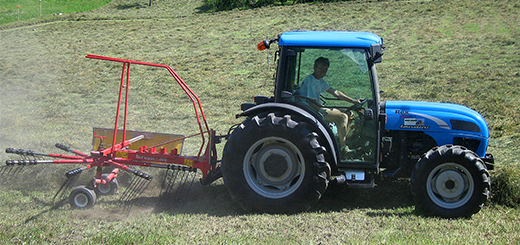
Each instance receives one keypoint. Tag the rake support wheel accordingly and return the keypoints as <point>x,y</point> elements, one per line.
<point>274,164</point>
<point>109,188</point>
<point>82,197</point>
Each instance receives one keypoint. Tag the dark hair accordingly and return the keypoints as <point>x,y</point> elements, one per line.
<point>321,62</point>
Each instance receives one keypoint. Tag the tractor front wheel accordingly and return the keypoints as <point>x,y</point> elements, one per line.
<point>450,182</point>
<point>274,164</point>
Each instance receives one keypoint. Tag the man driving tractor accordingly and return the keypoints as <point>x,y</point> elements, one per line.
<point>311,88</point>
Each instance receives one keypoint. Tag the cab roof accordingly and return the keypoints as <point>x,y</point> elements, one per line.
<point>329,39</point>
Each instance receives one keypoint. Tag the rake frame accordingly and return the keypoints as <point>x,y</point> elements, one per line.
<point>119,156</point>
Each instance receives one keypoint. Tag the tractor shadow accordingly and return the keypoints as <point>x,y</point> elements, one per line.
<point>212,200</point>
<point>385,199</point>
<point>387,196</point>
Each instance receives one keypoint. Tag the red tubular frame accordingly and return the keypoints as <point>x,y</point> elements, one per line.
<point>199,112</point>
<point>149,157</point>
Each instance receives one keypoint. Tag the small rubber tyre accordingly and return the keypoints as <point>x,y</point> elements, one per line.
<point>450,182</point>
<point>82,198</point>
<point>274,164</point>
<point>109,188</point>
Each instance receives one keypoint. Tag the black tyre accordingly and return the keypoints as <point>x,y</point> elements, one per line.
<point>450,182</point>
<point>109,188</point>
<point>274,164</point>
<point>81,197</point>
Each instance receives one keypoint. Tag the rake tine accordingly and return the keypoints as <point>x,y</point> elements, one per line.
<point>137,185</point>
<point>135,189</point>
<point>176,188</point>
<point>130,192</point>
<point>18,169</point>
<point>126,193</point>
<point>125,197</point>
<point>168,183</point>
<point>182,192</point>
<point>174,174</point>
<point>165,180</point>
<point>72,177</point>
<point>67,184</point>
<point>191,183</point>
<point>11,169</point>
<point>181,185</point>
<point>4,169</point>
<point>138,188</point>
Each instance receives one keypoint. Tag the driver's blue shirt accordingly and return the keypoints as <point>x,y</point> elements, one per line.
<point>312,88</point>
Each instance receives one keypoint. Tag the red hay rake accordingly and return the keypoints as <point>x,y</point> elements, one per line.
<point>180,170</point>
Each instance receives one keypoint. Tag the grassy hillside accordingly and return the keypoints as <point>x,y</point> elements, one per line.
<point>464,52</point>
<point>16,10</point>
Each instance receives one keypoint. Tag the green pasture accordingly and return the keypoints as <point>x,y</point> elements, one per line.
<point>15,10</point>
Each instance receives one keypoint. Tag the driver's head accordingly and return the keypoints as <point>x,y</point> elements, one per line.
<point>321,62</point>
<point>321,66</point>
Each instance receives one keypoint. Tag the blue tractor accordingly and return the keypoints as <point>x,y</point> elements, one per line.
<point>325,124</point>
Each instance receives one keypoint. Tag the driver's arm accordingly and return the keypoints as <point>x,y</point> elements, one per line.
<point>338,94</point>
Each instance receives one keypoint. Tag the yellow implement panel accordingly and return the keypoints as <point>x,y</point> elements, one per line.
<point>150,139</point>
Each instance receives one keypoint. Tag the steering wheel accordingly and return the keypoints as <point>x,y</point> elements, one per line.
<point>357,106</point>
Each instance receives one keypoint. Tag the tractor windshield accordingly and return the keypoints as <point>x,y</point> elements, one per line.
<point>347,72</point>
<point>336,83</point>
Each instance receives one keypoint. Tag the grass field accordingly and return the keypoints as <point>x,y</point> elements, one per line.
<point>16,10</point>
<point>464,52</point>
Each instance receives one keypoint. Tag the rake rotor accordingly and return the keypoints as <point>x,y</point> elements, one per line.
<point>123,153</point>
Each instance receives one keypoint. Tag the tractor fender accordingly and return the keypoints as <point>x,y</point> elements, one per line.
<point>320,126</point>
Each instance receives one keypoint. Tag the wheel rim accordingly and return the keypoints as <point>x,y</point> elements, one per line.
<point>104,189</point>
<point>81,200</point>
<point>450,185</point>
<point>274,167</point>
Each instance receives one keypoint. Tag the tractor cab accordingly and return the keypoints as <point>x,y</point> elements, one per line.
<point>349,59</point>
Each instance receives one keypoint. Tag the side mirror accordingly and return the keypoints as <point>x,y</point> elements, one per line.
<point>376,53</point>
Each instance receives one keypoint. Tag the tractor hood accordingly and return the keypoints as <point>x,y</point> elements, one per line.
<point>433,118</point>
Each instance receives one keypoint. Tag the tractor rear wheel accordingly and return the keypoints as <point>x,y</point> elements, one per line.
<point>450,182</point>
<point>274,164</point>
